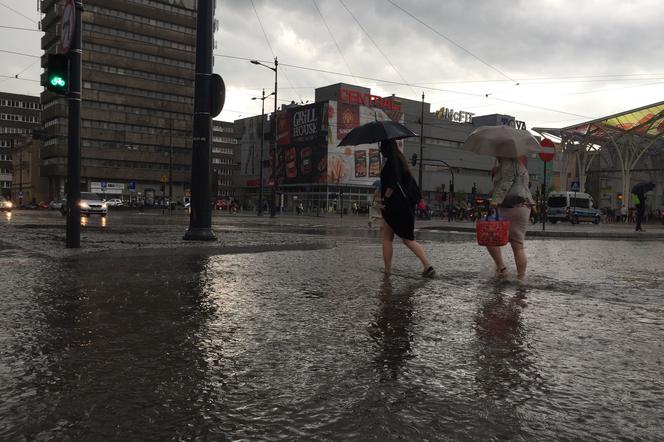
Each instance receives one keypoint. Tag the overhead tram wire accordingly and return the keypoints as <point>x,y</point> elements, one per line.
<point>377,47</point>
<point>19,53</point>
<point>283,71</point>
<point>453,42</point>
<point>19,13</point>
<point>380,80</point>
<point>329,31</point>
<point>522,81</point>
<point>407,84</point>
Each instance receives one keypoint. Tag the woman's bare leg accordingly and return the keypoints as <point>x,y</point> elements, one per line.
<point>498,259</point>
<point>418,250</point>
<point>388,249</point>
<point>520,258</point>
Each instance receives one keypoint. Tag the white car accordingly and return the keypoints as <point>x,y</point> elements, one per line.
<point>5,204</point>
<point>114,202</point>
<point>90,204</point>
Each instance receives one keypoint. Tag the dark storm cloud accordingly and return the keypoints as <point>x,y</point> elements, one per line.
<point>522,40</point>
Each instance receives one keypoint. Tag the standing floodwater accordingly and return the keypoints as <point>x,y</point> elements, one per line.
<point>318,345</point>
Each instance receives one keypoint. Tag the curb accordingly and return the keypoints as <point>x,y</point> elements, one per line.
<point>633,236</point>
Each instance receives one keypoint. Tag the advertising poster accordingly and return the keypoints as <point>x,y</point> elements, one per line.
<point>302,138</point>
<point>354,165</point>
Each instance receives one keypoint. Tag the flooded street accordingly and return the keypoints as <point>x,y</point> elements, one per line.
<point>318,345</point>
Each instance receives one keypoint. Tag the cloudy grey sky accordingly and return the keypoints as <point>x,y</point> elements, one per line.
<point>547,62</point>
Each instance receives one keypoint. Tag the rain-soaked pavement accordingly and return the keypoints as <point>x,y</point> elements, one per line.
<point>318,345</point>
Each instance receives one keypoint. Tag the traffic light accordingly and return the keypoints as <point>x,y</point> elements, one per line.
<point>217,94</point>
<point>413,160</point>
<point>57,73</point>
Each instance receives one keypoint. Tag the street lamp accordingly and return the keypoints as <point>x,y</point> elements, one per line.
<point>273,209</point>
<point>260,191</point>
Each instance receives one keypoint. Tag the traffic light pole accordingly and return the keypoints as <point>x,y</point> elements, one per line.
<point>73,235</point>
<point>432,160</point>
<point>200,217</point>
<point>419,181</point>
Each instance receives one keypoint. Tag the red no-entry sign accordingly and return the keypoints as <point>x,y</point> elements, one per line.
<point>548,150</point>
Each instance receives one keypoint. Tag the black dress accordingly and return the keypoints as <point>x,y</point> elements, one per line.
<point>397,212</point>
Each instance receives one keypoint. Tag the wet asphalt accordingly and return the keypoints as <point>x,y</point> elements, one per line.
<point>288,330</point>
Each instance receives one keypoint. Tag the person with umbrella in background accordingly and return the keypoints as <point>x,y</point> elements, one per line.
<point>511,195</point>
<point>398,214</point>
<point>639,190</point>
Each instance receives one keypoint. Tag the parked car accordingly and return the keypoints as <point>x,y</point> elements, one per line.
<point>90,204</point>
<point>55,205</point>
<point>43,205</point>
<point>114,202</point>
<point>5,205</point>
<point>221,204</point>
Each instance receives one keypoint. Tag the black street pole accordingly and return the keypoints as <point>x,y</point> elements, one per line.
<point>73,233</point>
<point>200,217</point>
<point>543,201</point>
<point>419,182</point>
<point>20,176</point>
<point>260,189</point>
<point>273,211</point>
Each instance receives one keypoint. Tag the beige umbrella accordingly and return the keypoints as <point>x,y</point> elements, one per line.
<point>501,141</point>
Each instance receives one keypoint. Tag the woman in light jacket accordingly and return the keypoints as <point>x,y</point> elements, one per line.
<point>511,195</point>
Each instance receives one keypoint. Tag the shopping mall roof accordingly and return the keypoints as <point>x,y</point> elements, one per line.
<point>646,121</point>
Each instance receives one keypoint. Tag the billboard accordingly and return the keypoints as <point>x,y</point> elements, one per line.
<point>302,144</point>
<point>354,165</point>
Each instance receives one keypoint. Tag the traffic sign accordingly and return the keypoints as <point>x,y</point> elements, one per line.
<point>67,26</point>
<point>548,150</point>
<point>132,185</point>
<point>20,194</point>
<point>103,184</point>
<point>164,179</point>
<point>574,187</point>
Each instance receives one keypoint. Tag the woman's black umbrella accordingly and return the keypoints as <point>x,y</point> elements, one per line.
<point>643,187</point>
<point>376,131</point>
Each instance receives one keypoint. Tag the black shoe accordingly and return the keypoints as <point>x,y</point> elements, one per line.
<point>429,273</point>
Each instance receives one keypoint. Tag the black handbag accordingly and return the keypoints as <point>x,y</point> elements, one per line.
<point>514,195</point>
<point>412,192</point>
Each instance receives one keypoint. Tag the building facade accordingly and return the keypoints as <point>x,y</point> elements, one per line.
<point>225,164</point>
<point>313,170</point>
<point>137,90</point>
<point>28,186</point>
<point>19,116</point>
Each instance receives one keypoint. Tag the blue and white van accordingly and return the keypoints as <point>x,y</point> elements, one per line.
<point>574,207</point>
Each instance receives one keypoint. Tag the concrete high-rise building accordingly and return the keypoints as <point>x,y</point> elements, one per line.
<point>137,89</point>
<point>225,163</point>
<point>19,115</point>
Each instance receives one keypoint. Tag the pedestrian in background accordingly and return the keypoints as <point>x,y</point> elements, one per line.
<point>639,193</point>
<point>398,214</point>
<point>376,205</point>
<point>514,202</point>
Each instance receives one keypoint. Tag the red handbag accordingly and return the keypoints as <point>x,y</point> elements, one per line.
<point>492,233</point>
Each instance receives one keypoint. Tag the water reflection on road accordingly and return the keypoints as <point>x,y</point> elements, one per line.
<point>320,345</point>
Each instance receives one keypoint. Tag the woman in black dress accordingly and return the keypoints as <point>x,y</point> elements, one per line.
<point>398,215</point>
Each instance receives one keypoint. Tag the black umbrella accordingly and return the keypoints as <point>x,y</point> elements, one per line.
<point>643,187</point>
<point>376,131</point>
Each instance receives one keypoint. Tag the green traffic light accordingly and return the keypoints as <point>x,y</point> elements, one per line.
<point>58,81</point>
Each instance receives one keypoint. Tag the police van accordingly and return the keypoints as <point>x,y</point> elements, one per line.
<point>574,207</point>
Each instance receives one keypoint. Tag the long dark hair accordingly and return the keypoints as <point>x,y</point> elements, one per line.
<point>390,150</point>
